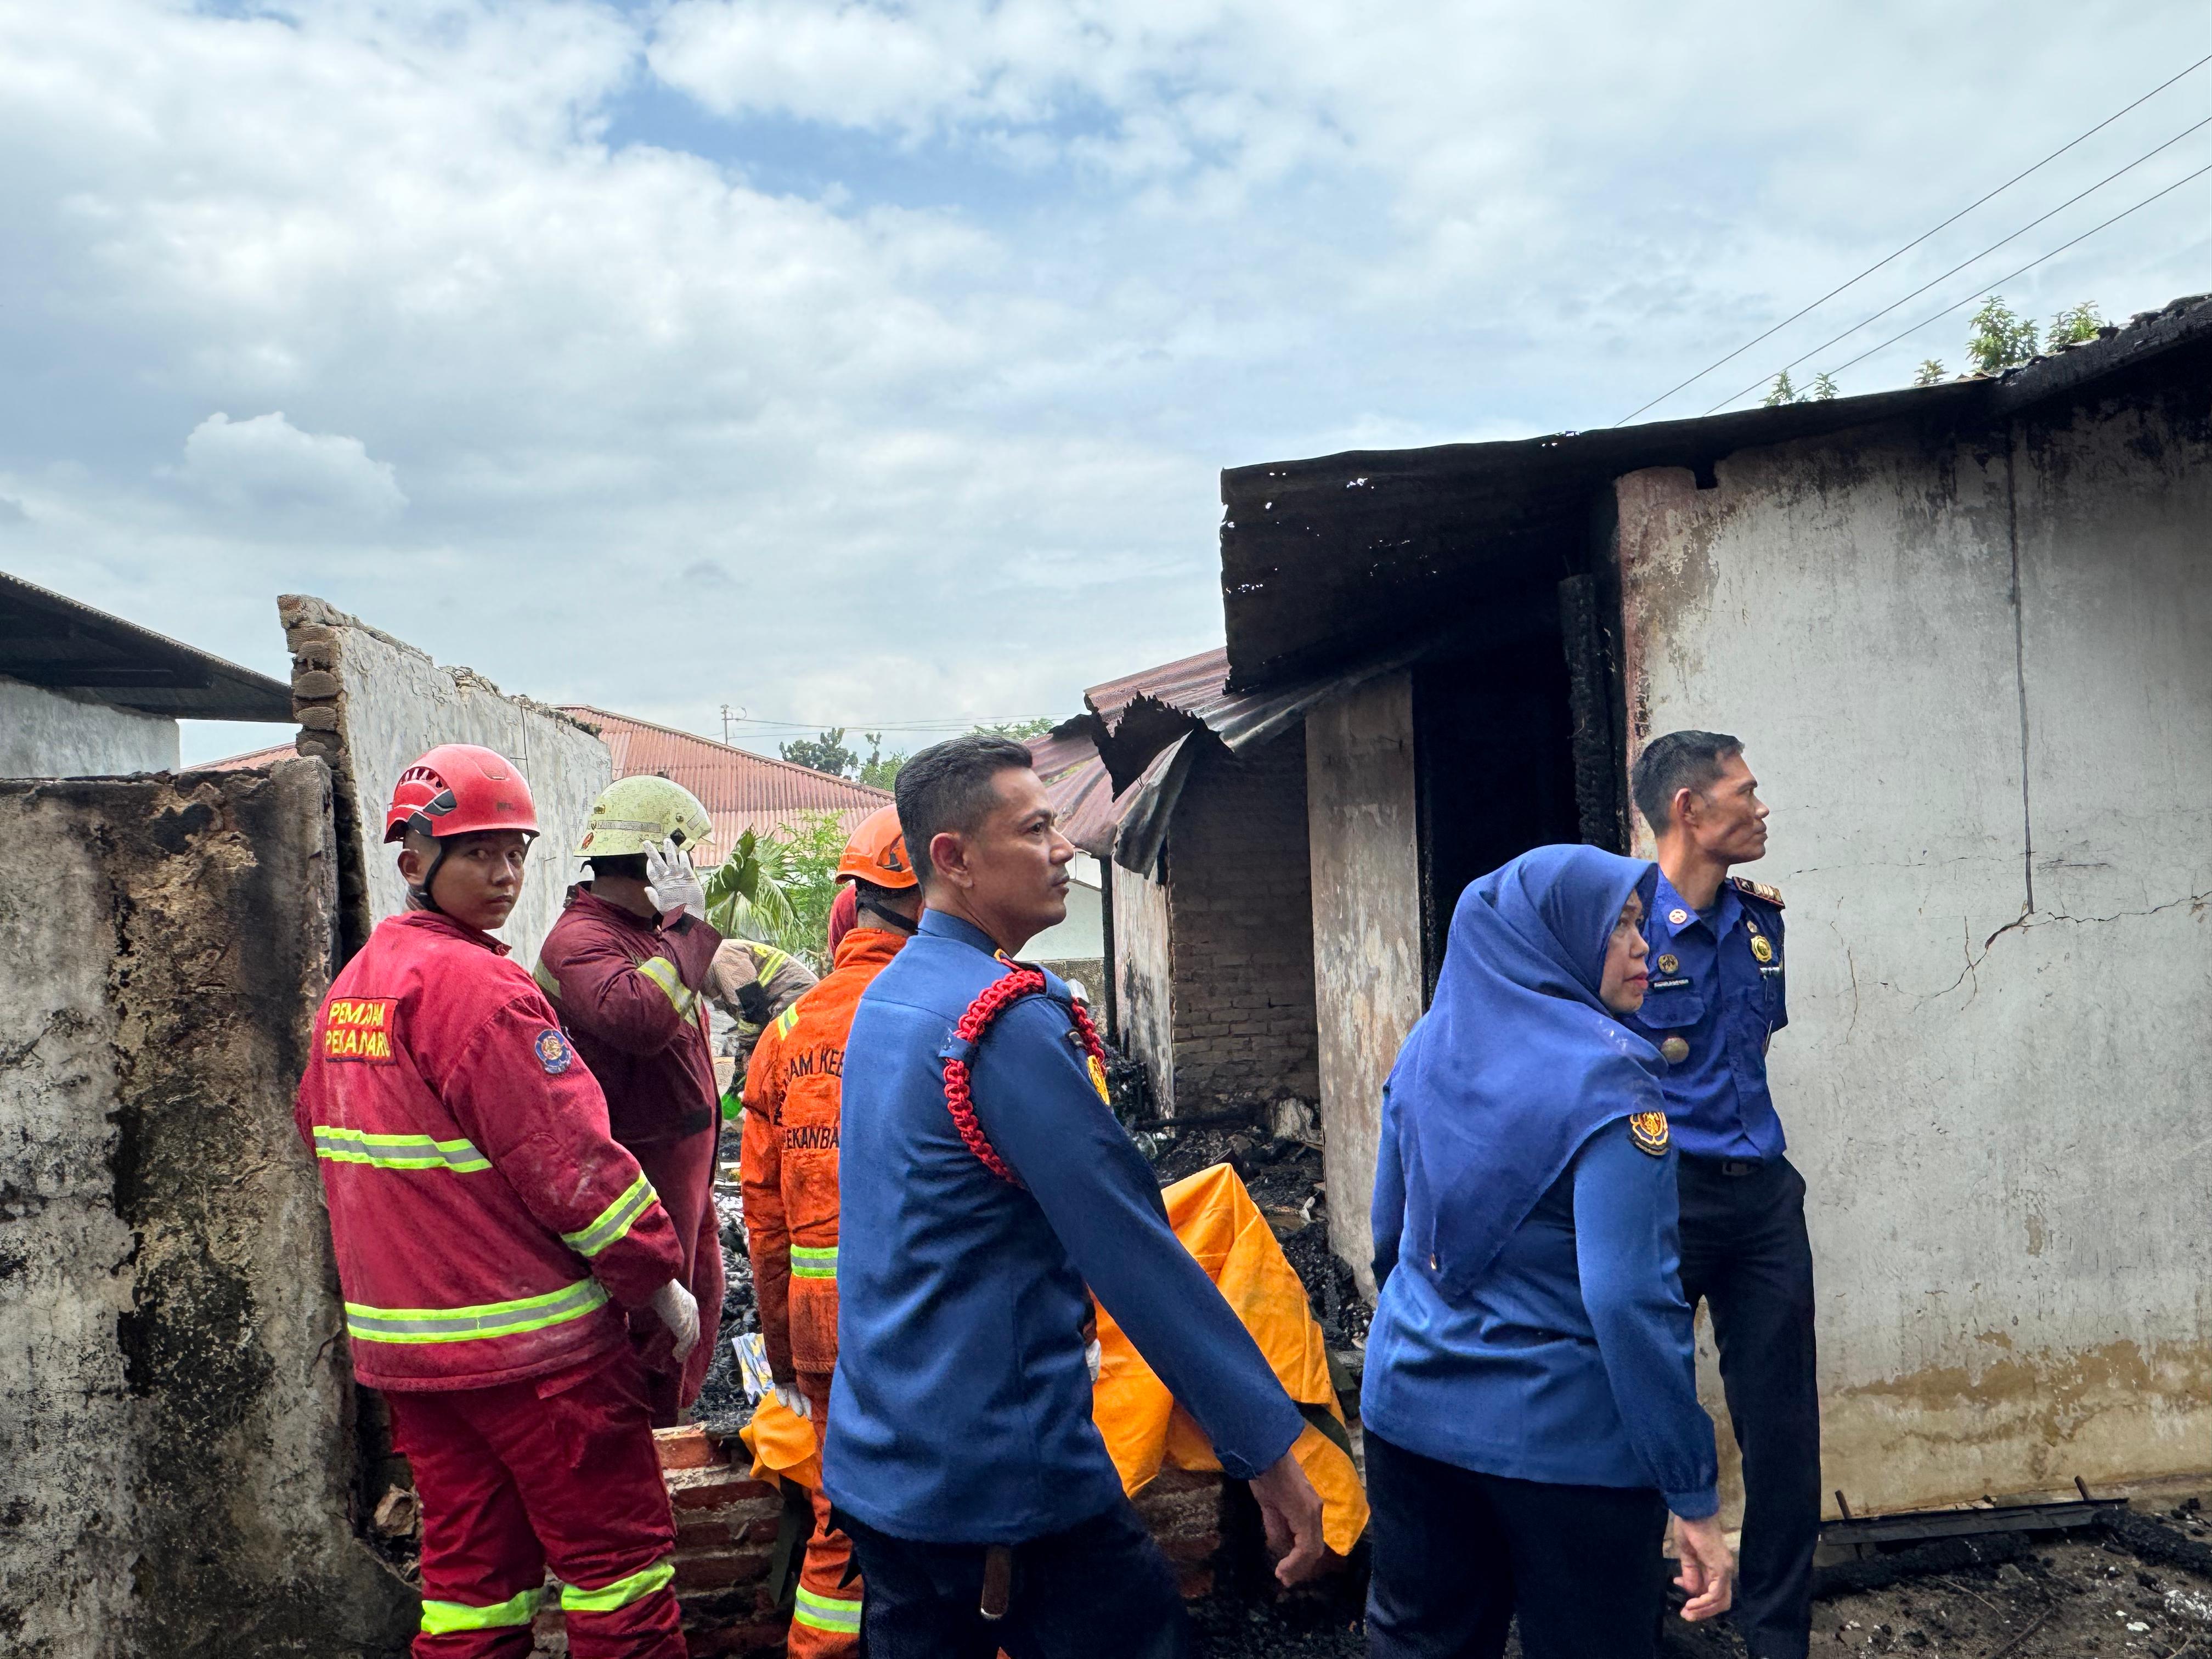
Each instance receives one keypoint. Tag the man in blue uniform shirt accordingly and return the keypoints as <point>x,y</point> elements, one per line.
<point>961,1456</point>
<point>1716,995</point>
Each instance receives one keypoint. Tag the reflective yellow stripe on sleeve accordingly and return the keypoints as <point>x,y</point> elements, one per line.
<point>443,1618</point>
<point>397,1151</point>
<point>621,1592</point>
<point>827,1612</point>
<point>662,972</point>
<point>483,1321</point>
<point>613,1222</point>
<point>813,1262</point>
<point>786,1019</point>
<point>547,980</point>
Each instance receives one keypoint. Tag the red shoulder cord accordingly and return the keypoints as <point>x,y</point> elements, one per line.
<point>959,1099</point>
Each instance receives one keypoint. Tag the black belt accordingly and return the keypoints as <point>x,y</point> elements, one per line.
<point>1735,1167</point>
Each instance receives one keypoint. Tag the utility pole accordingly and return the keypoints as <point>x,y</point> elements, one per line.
<point>729,715</point>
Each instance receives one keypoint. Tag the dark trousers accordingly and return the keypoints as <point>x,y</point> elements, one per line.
<point>1456,1554</point>
<point>1099,1591</point>
<point>1745,1252</point>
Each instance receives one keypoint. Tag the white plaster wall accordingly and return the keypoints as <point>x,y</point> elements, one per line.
<point>1997,1107</point>
<point>396,702</point>
<point>62,734</point>
<point>1365,861</point>
<point>1082,936</point>
<point>1143,983</point>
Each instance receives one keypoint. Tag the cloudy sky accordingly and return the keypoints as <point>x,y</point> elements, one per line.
<point>871,362</point>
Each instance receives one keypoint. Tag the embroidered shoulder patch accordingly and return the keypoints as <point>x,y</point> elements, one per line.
<point>1648,1131</point>
<point>359,1028</point>
<point>554,1053</point>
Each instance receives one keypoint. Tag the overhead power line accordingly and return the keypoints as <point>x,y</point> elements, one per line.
<point>2014,237</point>
<point>1886,258</point>
<point>2023,271</point>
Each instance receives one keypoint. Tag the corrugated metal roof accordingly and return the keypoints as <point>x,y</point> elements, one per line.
<point>1328,562</point>
<point>49,638</point>
<point>740,790</point>
<point>251,758</point>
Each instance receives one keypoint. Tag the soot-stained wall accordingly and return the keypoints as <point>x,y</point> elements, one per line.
<point>176,1441</point>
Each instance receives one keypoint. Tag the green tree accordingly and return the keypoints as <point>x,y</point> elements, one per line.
<point>1824,388</point>
<point>2075,324</point>
<point>826,753</point>
<point>2001,339</point>
<point>1020,731</point>
<point>1782,391</point>
<point>1930,372</point>
<point>880,770</point>
<point>777,889</point>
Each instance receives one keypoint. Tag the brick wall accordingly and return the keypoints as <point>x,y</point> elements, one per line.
<point>726,1529</point>
<point>1240,909</point>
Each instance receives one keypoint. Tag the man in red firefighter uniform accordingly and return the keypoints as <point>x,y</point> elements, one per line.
<point>789,1162</point>
<point>627,965</point>
<point>489,1234</point>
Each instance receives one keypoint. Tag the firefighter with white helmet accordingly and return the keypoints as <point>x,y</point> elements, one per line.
<point>626,965</point>
<point>489,1234</point>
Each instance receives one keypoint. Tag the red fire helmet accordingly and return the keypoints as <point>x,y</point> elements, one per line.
<point>456,789</point>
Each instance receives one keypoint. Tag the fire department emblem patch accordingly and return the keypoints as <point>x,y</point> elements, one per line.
<point>1648,1131</point>
<point>554,1053</point>
<point>1762,948</point>
<point>1669,964</point>
<point>1097,1067</point>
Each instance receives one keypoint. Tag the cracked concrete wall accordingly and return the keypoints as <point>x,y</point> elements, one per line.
<point>1363,846</point>
<point>176,1426</point>
<point>1972,680</point>
<point>45,733</point>
<point>370,705</point>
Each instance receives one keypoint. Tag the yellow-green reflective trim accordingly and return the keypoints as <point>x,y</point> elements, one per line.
<point>828,1613</point>
<point>546,981</point>
<point>786,1019</point>
<point>812,1261</point>
<point>613,1222</point>
<point>397,1151</point>
<point>443,1618</point>
<point>662,972</point>
<point>488,1319</point>
<point>621,1592</point>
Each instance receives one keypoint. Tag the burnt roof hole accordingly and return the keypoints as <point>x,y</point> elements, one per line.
<point>1707,478</point>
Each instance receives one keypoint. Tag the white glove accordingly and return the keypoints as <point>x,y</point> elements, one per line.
<point>674,884</point>
<point>1095,1357</point>
<point>680,1311</point>
<point>793,1401</point>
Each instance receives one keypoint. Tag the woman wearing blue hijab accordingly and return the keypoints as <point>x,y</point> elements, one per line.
<point>1530,1402</point>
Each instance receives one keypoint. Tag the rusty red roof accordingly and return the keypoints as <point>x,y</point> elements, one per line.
<point>740,790</point>
<point>252,757</point>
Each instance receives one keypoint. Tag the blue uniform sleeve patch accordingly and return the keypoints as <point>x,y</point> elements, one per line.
<point>554,1053</point>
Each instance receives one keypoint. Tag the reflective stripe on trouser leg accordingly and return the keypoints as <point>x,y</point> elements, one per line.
<point>444,1618</point>
<point>825,1623</point>
<point>608,1598</point>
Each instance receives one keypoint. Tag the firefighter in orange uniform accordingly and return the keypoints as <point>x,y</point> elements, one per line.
<point>789,1161</point>
<point>489,1234</point>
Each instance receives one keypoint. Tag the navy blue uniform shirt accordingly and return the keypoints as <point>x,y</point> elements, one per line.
<point>1571,1362</point>
<point>961,1408</point>
<point>1718,989</point>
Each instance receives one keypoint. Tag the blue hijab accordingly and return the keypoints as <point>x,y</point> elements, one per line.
<point>1516,1063</point>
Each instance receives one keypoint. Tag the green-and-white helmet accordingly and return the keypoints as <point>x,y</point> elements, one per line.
<point>635,813</point>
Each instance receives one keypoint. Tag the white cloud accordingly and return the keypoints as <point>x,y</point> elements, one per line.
<point>935,355</point>
<point>268,466</point>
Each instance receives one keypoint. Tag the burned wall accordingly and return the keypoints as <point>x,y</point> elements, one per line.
<point>1972,678</point>
<point>175,1419</point>
<point>1144,998</point>
<point>1240,915</point>
<point>370,704</point>
<point>1367,884</point>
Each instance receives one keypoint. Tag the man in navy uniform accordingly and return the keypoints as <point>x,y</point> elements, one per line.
<point>1716,997</point>
<point>984,1183</point>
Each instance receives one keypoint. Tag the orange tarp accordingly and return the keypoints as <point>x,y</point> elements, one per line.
<point>1142,1427</point>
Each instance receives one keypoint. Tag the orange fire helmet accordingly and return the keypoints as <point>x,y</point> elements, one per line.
<point>876,853</point>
